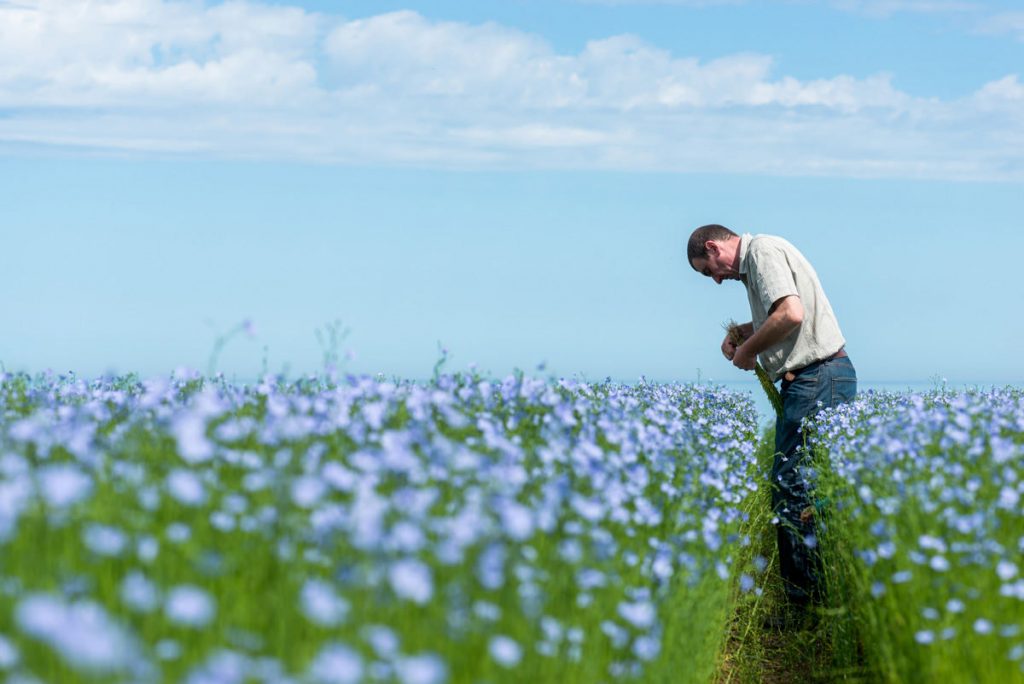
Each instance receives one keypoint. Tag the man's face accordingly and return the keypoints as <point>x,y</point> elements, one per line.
<point>716,266</point>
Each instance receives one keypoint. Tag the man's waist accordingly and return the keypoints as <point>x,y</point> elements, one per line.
<point>789,376</point>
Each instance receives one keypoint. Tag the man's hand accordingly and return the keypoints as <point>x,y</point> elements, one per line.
<point>728,347</point>
<point>743,359</point>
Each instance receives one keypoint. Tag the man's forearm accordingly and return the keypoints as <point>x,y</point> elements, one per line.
<point>779,325</point>
<point>746,330</point>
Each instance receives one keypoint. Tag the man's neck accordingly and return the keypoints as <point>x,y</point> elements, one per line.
<point>734,243</point>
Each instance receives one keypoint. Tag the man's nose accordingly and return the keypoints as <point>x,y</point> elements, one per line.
<point>718,279</point>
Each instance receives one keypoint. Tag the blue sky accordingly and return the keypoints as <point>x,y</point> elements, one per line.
<point>513,179</point>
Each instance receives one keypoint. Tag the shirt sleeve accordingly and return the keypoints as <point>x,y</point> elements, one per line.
<point>772,276</point>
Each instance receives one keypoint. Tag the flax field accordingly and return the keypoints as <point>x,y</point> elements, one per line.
<point>476,529</point>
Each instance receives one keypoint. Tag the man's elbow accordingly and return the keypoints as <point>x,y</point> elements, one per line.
<point>794,312</point>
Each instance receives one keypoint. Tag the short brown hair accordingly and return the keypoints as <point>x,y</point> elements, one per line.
<point>696,248</point>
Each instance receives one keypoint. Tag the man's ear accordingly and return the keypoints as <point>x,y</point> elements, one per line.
<point>712,247</point>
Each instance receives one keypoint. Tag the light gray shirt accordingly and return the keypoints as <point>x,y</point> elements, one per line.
<point>771,269</point>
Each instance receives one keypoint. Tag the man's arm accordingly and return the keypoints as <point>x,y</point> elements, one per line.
<point>784,317</point>
<point>746,330</point>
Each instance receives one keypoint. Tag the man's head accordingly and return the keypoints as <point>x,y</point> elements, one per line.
<point>714,251</point>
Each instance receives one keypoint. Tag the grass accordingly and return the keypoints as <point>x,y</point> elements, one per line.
<point>755,653</point>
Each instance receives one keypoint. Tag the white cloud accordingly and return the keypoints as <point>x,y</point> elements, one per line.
<point>403,52</point>
<point>885,8</point>
<point>1006,90</point>
<point>683,3</point>
<point>248,80</point>
<point>876,8</point>
<point>534,135</point>
<point>139,52</point>
<point>1003,23</point>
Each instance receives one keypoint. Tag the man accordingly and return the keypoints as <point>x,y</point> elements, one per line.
<point>797,338</point>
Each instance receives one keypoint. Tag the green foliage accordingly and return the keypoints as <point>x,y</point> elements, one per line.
<point>922,539</point>
<point>769,388</point>
<point>442,460</point>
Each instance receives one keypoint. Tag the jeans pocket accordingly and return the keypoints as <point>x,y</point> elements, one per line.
<point>843,390</point>
<point>800,396</point>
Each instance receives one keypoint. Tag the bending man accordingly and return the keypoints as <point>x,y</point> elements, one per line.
<point>795,335</point>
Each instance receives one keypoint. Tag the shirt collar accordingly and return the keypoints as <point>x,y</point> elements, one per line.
<point>744,244</point>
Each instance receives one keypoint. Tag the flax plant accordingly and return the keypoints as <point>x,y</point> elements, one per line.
<point>737,338</point>
<point>461,530</point>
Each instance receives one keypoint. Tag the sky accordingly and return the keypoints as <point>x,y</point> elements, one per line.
<point>513,182</point>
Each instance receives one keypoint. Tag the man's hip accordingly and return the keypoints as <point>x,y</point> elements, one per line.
<point>820,385</point>
<point>790,376</point>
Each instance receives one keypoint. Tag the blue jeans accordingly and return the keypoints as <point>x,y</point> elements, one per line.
<point>818,386</point>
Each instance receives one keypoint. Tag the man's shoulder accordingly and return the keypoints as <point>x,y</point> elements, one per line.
<point>768,244</point>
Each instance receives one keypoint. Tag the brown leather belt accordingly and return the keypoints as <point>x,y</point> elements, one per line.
<point>790,376</point>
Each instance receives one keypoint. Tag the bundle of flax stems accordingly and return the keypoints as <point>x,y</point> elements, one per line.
<point>737,338</point>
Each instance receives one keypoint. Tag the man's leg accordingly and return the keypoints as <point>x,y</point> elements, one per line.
<point>829,384</point>
<point>790,495</point>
